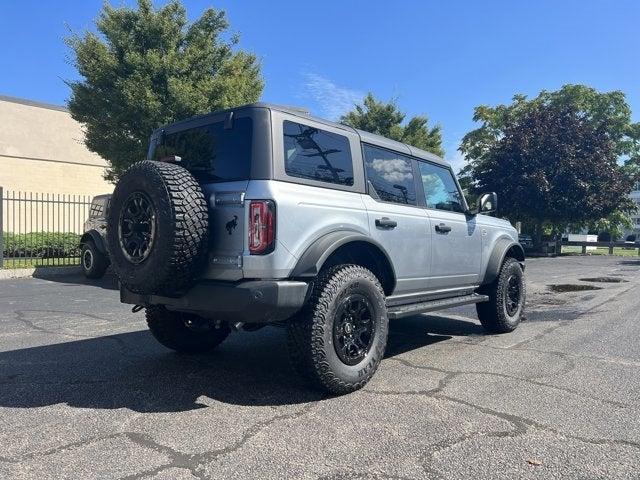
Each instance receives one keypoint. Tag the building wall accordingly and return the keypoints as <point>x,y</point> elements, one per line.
<point>43,158</point>
<point>42,150</point>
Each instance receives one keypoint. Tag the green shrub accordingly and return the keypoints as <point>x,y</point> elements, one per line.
<point>40,244</point>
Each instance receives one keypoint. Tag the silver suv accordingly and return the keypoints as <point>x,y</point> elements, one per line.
<point>265,215</point>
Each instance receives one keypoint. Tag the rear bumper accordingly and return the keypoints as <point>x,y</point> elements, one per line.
<point>259,301</point>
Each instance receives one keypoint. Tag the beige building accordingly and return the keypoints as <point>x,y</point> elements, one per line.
<point>42,151</point>
<point>47,175</point>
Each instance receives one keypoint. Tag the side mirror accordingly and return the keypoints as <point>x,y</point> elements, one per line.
<point>488,202</point>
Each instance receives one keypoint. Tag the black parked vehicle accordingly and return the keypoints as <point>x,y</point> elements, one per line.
<point>94,256</point>
<point>526,241</point>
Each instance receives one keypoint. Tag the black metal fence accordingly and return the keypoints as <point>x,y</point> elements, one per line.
<point>40,229</point>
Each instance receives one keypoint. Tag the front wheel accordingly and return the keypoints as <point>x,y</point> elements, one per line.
<point>339,338</point>
<point>505,308</point>
<point>184,332</point>
<point>94,264</point>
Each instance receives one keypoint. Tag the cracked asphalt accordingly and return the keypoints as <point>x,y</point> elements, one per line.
<point>85,392</point>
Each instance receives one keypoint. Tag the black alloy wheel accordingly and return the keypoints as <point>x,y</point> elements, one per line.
<point>353,329</point>
<point>136,227</point>
<point>87,259</point>
<point>512,295</point>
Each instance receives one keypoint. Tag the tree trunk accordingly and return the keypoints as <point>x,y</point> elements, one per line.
<point>538,235</point>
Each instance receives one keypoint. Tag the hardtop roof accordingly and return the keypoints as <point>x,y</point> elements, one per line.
<point>366,137</point>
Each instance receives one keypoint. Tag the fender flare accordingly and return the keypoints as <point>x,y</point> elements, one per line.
<point>500,249</point>
<point>96,238</point>
<point>311,261</point>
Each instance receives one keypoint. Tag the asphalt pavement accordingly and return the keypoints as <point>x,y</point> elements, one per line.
<point>85,391</point>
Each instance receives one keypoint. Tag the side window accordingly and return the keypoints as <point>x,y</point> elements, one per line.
<point>440,189</point>
<point>391,175</point>
<point>96,209</point>
<point>317,154</point>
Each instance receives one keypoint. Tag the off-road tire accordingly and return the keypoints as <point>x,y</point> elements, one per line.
<point>178,254</point>
<point>494,315</point>
<point>310,332</point>
<point>94,263</point>
<point>171,330</point>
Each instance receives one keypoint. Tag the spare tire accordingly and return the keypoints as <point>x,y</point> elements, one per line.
<point>157,229</point>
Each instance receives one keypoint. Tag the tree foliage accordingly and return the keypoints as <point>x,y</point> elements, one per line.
<point>384,118</point>
<point>146,67</point>
<point>555,159</point>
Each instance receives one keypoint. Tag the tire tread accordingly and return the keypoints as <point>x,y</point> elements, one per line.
<point>307,349</point>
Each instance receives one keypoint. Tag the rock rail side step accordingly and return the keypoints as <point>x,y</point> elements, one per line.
<point>422,307</point>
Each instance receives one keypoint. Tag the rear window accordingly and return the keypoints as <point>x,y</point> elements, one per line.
<point>317,154</point>
<point>211,152</point>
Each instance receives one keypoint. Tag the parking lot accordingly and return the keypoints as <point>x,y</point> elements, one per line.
<point>87,393</point>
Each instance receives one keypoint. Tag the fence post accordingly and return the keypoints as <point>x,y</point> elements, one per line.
<point>584,249</point>
<point>1,227</point>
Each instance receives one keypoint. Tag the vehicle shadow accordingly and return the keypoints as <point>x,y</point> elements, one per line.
<point>108,282</point>
<point>131,370</point>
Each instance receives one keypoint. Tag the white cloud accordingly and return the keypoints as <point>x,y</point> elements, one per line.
<point>393,171</point>
<point>333,100</point>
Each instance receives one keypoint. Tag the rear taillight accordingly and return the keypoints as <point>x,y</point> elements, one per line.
<point>262,226</point>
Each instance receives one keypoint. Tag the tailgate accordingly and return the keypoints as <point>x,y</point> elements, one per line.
<point>227,230</point>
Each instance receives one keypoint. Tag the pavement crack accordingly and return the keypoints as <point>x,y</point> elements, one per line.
<point>564,323</point>
<point>451,374</point>
<point>523,423</point>
<point>125,349</point>
<point>426,459</point>
<point>194,462</point>
<point>350,474</point>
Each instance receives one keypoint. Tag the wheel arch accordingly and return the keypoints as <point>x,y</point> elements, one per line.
<point>96,238</point>
<point>503,248</point>
<point>347,247</point>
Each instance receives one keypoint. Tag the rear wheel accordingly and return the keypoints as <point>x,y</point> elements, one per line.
<point>505,308</point>
<point>184,332</point>
<point>94,263</point>
<point>339,338</point>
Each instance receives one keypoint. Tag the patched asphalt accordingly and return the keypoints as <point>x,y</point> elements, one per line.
<point>85,392</point>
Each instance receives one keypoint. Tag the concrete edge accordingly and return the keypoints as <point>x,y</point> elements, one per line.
<point>39,272</point>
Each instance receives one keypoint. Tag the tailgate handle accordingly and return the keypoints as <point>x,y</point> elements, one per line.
<point>226,198</point>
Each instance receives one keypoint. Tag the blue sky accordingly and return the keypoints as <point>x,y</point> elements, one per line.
<point>437,58</point>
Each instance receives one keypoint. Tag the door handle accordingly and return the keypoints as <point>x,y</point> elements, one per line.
<point>442,228</point>
<point>385,222</point>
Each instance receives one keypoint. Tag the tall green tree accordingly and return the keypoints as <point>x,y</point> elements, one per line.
<point>146,67</point>
<point>384,118</point>
<point>556,159</point>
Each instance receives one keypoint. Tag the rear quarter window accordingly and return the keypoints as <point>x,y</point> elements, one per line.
<point>316,154</point>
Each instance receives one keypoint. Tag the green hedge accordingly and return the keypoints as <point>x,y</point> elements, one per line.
<point>40,244</point>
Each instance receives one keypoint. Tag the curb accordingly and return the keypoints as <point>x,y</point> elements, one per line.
<point>39,272</point>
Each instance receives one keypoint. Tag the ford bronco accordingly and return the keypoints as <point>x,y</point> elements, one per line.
<point>263,214</point>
